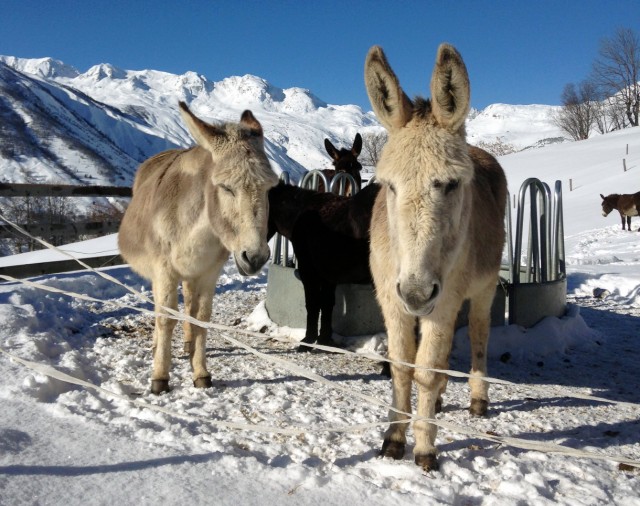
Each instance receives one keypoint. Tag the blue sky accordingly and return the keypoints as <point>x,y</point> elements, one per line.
<point>517,52</point>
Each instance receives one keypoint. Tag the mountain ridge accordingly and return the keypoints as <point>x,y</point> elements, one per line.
<point>95,127</point>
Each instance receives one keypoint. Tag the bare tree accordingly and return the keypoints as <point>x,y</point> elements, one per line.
<point>577,115</point>
<point>616,71</point>
<point>610,115</point>
<point>31,210</point>
<point>372,144</point>
<point>498,147</point>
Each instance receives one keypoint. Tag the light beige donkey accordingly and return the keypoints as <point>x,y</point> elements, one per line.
<point>190,209</point>
<point>437,234</point>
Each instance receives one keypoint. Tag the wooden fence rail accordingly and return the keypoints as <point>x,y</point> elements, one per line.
<point>48,190</point>
<point>66,230</point>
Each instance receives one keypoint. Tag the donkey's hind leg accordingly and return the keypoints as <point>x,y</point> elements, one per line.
<point>165,294</point>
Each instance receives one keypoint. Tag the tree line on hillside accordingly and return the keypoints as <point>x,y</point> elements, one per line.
<point>49,213</point>
<point>609,98</point>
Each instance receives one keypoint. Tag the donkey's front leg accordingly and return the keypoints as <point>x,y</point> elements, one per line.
<point>186,326</point>
<point>327,301</point>
<point>201,290</point>
<point>433,353</point>
<point>164,294</point>
<point>312,305</point>
<point>479,327</point>
<point>402,348</point>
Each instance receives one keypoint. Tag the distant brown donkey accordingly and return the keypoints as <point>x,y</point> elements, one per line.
<point>627,205</point>
<point>190,209</point>
<point>437,234</point>
<point>344,160</point>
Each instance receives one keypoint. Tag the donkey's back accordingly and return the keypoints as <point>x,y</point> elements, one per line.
<point>164,222</point>
<point>487,219</point>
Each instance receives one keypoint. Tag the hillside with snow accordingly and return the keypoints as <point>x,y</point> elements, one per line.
<point>63,126</point>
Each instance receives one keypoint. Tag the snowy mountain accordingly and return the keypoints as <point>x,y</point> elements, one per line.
<point>60,125</point>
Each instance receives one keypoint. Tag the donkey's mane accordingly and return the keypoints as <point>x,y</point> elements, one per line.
<point>421,107</point>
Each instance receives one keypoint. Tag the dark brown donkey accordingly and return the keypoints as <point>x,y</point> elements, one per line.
<point>330,237</point>
<point>344,160</point>
<point>627,205</point>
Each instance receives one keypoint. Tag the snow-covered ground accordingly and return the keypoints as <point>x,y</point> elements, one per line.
<point>272,432</point>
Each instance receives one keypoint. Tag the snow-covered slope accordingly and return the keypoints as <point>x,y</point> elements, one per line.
<point>520,126</point>
<point>60,125</point>
<point>54,133</point>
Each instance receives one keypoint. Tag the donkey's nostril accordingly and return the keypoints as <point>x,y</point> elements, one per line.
<point>419,299</point>
<point>253,261</point>
<point>435,292</point>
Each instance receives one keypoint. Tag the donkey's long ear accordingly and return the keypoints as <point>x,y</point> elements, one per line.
<point>331,149</point>
<point>392,107</point>
<point>203,133</point>
<point>450,90</point>
<point>603,197</point>
<point>249,120</point>
<point>357,145</point>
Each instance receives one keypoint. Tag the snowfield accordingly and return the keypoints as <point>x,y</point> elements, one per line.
<point>78,424</point>
<point>265,434</point>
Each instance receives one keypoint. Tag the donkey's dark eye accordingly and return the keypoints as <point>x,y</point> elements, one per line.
<point>227,189</point>
<point>447,187</point>
<point>392,188</point>
<point>451,185</point>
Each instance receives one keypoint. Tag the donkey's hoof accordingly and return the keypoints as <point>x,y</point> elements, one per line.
<point>427,462</point>
<point>159,386</point>
<point>479,407</point>
<point>439,406</point>
<point>203,382</point>
<point>187,347</point>
<point>304,349</point>
<point>392,449</point>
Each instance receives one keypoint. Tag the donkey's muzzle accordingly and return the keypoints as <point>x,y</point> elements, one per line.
<point>249,263</point>
<point>418,299</point>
